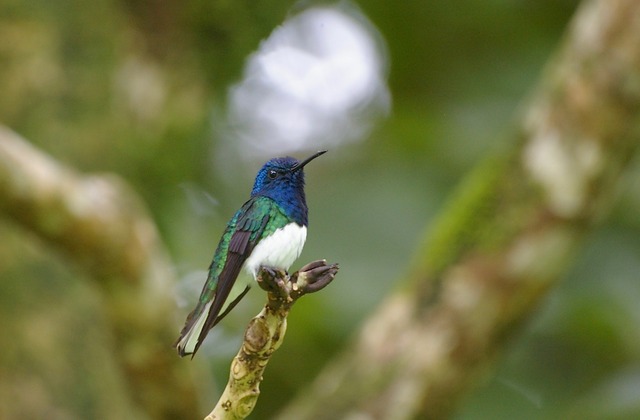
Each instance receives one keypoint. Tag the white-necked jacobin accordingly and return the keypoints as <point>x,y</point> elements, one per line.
<point>269,230</point>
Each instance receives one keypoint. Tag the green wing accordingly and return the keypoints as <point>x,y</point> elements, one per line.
<point>257,218</point>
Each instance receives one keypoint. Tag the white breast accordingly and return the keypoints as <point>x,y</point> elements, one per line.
<point>279,250</point>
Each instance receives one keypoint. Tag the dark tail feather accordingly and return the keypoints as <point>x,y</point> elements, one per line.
<point>188,342</point>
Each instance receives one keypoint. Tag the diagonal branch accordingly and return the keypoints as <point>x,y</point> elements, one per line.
<point>101,224</point>
<point>505,239</point>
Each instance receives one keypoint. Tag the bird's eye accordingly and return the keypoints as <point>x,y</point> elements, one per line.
<point>272,174</point>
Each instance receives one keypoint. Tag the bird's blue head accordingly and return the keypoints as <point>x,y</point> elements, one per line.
<point>282,180</point>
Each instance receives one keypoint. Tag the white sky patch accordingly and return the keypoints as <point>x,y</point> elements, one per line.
<point>317,81</point>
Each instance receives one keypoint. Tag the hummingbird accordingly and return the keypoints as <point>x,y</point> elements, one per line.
<point>269,230</point>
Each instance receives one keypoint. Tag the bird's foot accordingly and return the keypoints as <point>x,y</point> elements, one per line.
<point>272,280</point>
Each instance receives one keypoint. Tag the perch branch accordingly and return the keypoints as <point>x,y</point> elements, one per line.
<point>265,333</point>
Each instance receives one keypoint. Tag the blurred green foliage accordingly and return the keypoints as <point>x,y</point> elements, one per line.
<point>137,87</point>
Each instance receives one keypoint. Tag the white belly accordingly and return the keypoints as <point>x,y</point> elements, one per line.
<point>279,250</point>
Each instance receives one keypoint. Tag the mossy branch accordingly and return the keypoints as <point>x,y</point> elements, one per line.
<point>100,223</point>
<point>265,333</point>
<point>506,237</point>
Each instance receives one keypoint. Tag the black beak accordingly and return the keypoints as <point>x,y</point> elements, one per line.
<point>301,165</point>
